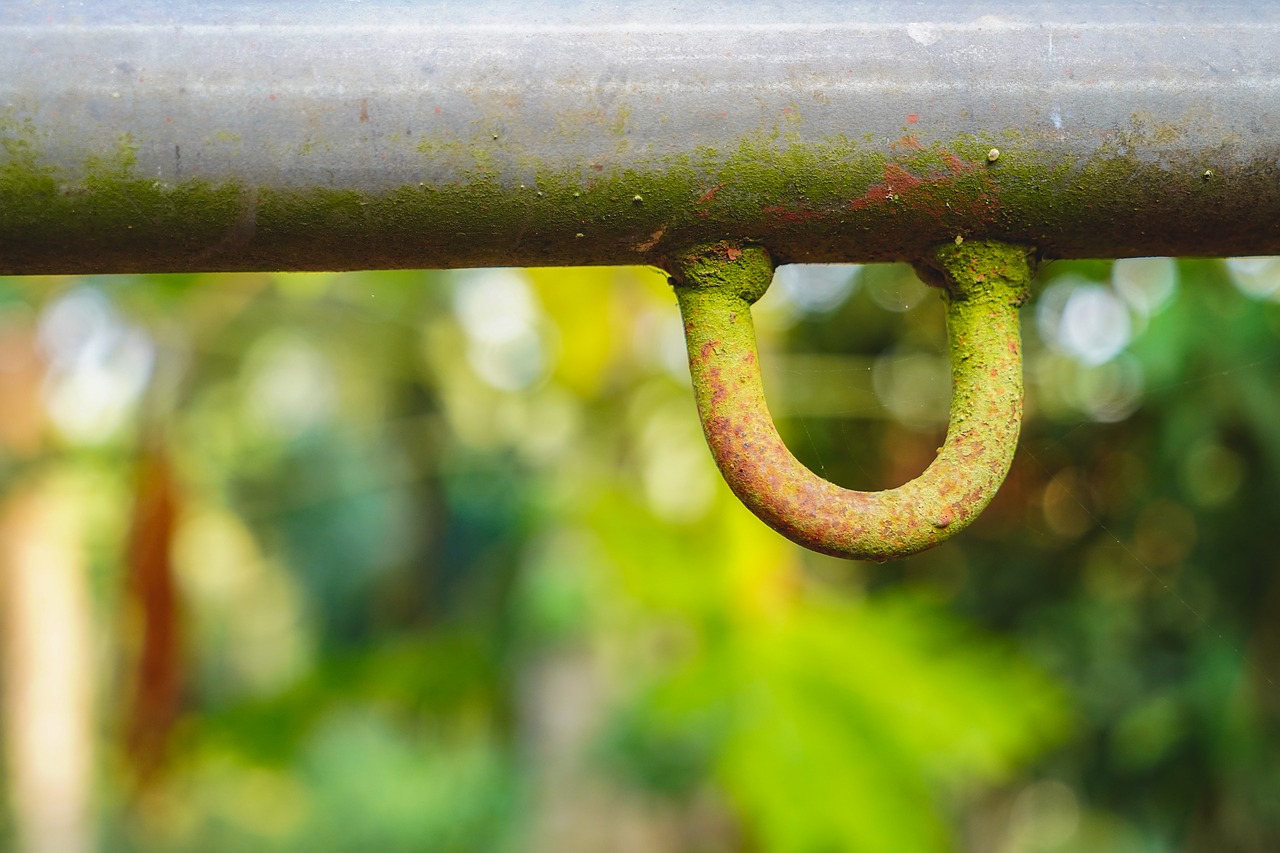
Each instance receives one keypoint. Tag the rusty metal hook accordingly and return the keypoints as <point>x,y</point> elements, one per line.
<point>983,284</point>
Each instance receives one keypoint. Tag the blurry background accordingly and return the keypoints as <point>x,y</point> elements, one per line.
<point>438,561</point>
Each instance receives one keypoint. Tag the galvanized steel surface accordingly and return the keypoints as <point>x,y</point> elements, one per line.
<point>188,135</point>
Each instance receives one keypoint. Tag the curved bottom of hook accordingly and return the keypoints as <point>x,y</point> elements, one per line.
<point>983,285</point>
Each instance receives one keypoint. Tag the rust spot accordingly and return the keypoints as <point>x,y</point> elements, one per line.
<point>897,181</point>
<point>912,118</point>
<point>956,165</point>
<point>648,244</point>
<point>364,110</point>
<point>710,194</point>
<point>923,194</point>
<point>789,214</point>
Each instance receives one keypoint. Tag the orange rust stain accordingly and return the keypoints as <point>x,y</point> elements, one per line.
<point>956,165</point>
<point>710,194</point>
<point>908,143</point>
<point>902,186</point>
<point>913,118</point>
<point>897,181</point>
<point>364,110</point>
<point>789,214</point>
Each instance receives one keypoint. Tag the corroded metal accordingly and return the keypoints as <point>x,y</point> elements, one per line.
<point>322,134</point>
<point>983,285</point>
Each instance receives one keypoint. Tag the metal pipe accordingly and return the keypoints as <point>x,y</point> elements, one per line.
<point>196,135</point>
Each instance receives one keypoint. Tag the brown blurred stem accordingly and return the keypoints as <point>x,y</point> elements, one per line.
<point>153,588</point>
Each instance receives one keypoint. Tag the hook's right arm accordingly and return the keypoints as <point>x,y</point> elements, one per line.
<point>983,283</point>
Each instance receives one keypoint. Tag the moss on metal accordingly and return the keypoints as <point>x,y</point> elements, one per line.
<point>843,198</point>
<point>106,218</point>
<point>983,283</point>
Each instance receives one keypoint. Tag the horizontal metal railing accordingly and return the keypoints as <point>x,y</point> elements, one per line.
<point>189,135</point>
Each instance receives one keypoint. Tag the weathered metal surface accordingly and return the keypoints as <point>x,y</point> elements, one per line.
<point>184,135</point>
<point>983,283</point>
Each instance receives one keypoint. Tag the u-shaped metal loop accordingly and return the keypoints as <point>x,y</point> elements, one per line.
<point>983,284</point>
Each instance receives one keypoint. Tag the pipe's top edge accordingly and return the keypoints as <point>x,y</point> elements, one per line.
<point>639,16</point>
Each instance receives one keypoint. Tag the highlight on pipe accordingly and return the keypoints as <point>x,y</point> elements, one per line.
<point>983,283</point>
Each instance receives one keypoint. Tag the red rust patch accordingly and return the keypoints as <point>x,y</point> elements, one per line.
<point>912,192</point>
<point>710,194</point>
<point>789,214</point>
<point>956,165</point>
<point>897,181</point>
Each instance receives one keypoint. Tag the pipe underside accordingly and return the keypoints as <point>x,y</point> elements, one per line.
<point>184,135</point>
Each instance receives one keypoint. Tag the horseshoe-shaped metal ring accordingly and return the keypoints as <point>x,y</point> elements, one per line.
<point>983,284</point>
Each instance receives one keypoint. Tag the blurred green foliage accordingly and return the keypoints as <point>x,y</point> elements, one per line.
<point>458,574</point>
